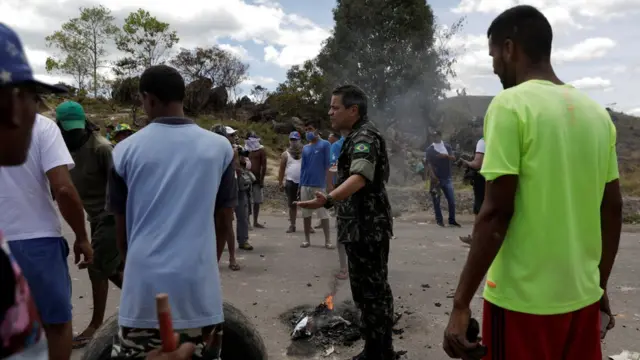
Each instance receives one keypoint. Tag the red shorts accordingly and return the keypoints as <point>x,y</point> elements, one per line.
<point>511,335</point>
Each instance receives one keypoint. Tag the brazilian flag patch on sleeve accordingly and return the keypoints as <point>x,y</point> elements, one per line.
<point>361,148</point>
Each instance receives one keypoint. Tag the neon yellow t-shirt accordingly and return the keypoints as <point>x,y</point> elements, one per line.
<point>561,145</point>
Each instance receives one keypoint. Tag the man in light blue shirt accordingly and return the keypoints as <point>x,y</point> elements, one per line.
<point>314,177</point>
<point>336,147</point>
<point>164,189</point>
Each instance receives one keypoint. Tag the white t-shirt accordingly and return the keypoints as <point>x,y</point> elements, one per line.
<point>480,146</point>
<point>27,206</point>
<point>292,170</point>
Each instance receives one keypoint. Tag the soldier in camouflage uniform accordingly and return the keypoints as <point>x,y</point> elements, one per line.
<point>364,217</point>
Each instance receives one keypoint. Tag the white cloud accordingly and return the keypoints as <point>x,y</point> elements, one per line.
<point>588,49</point>
<point>634,111</point>
<point>260,80</point>
<point>592,83</point>
<point>294,37</point>
<point>559,11</point>
<point>37,58</point>
<point>238,51</point>
<point>271,53</point>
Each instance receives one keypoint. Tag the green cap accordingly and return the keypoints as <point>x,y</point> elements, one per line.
<point>71,116</point>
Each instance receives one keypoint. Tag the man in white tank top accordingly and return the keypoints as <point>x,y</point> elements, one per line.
<point>289,176</point>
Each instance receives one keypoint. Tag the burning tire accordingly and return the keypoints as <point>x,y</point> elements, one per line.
<point>240,340</point>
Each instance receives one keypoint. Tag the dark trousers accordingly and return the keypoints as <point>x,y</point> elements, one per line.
<point>242,218</point>
<point>445,186</point>
<point>371,292</point>
<point>478,192</point>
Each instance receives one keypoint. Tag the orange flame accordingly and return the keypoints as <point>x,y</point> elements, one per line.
<point>328,302</point>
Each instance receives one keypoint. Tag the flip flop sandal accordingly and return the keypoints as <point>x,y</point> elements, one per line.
<point>305,245</point>
<point>80,341</point>
<point>234,267</point>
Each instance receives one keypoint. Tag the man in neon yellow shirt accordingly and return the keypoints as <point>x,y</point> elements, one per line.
<point>549,228</point>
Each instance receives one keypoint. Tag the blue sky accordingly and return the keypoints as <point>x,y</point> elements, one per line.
<point>591,46</point>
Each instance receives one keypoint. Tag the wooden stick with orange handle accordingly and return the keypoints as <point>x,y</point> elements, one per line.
<point>166,325</point>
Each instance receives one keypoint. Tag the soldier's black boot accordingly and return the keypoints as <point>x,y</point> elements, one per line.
<point>381,349</point>
<point>369,349</point>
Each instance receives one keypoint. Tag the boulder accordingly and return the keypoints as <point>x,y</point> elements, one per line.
<point>218,98</point>
<point>197,95</point>
<point>287,125</point>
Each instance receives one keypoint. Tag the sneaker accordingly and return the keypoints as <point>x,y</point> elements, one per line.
<point>246,246</point>
<point>454,224</point>
<point>291,229</point>
<point>440,223</point>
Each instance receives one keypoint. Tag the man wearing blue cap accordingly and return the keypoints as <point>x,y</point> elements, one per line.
<point>290,166</point>
<point>29,219</point>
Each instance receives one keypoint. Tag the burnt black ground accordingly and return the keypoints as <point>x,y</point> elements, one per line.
<point>424,265</point>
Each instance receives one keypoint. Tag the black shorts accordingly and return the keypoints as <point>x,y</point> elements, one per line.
<point>478,192</point>
<point>293,192</point>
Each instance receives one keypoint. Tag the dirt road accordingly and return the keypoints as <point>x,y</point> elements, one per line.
<point>278,275</point>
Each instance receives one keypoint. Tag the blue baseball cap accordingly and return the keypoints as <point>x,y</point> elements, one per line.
<point>14,66</point>
<point>294,135</point>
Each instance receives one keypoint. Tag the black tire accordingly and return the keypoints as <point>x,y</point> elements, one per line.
<point>240,339</point>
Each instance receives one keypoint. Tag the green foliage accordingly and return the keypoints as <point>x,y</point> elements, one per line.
<point>124,91</point>
<point>73,60</point>
<point>304,94</point>
<point>389,49</point>
<point>392,49</point>
<point>260,94</point>
<point>145,40</point>
<point>220,66</point>
<point>82,42</point>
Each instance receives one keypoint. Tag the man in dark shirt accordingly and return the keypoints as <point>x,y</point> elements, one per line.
<point>439,157</point>
<point>92,155</point>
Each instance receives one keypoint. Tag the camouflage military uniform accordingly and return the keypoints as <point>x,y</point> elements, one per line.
<point>365,228</point>
<point>133,343</point>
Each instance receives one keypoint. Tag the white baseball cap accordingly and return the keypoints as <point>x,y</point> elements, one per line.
<point>229,130</point>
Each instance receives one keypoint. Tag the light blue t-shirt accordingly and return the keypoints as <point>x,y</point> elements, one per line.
<point>336,147</point>
<point>172,171</point>
<point>316,159</point>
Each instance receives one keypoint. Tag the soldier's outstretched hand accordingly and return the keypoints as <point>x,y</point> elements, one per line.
<point>316,203</point>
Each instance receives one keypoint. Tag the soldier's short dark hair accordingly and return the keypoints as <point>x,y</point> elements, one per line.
<point>352,95</point>
<point>527,27</point>
<point>164,82</point>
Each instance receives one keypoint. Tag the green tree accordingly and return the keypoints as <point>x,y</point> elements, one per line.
<point>145,40</point>
<point>124,91</point>
<point>259,94</point>
<point>82,42</point>
<point>218,65</point>
<point>389,49</point>
<point>305,92</point>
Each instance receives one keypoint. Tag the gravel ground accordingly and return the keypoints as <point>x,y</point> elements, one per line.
<point>424,264</point>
